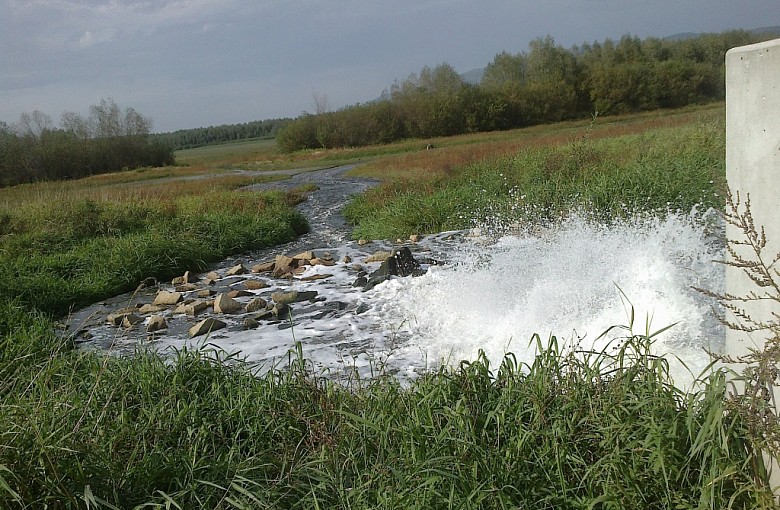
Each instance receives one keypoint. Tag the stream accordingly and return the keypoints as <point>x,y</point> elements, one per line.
<point>479,293</point>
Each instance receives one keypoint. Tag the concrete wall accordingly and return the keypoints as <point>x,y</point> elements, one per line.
<point>753,167</point>
<point>753,160</point>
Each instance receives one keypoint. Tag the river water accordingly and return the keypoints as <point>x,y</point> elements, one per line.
<point>487,293</point>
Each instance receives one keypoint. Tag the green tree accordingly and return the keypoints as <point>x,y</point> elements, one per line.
<point>505,69</point>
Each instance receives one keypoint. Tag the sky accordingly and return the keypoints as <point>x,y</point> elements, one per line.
<point>193,63</point>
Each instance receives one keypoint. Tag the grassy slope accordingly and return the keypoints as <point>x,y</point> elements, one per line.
<point>64,249</point>
<point>621,167</point>
<point>80,430</point>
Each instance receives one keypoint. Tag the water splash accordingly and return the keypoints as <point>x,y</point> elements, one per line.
<point>575,281</point>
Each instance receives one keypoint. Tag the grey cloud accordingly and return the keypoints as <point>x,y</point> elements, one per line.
<point>183,62</point>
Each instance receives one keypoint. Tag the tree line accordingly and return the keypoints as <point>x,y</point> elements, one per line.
<point>197,137</point>
<point>547,83</point>
<point>108,140</point>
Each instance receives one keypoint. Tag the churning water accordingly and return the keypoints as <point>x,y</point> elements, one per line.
<point>575,280</point>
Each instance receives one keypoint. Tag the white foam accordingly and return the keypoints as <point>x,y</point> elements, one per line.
<point>574,280</point>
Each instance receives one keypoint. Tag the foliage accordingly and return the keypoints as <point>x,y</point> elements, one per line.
<point>107,141</point>
<point>199,137</point>
<point>755,376</point>
<point>548,83</point>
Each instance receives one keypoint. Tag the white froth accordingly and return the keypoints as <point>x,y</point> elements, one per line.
<point>575,280</point>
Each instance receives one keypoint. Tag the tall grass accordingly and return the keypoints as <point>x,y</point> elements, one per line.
<point>572,430</point>
<point>68,252</point>
<point>660,169</point>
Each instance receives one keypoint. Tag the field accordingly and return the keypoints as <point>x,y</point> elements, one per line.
<point>199,430</point>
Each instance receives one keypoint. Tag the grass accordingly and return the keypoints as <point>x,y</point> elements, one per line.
<point>648,165</point>
<point>69,248</point>
<point>585,430</point>
<point>200,429</point>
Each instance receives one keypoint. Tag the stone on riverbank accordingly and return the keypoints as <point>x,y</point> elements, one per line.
<point>116,318</point>
<point>378,256</point>
<point>156,323</point>
<point>265,267</point>
<point>181,280</point>
<point>206,326</point>
<point>255,284</point>
<point>284,298</point>
<point>237,270</point>
<point>225,304</point>
<point>150,309</point>
<point>307,255</point>
<point>233,294</point>
<point>165,298</point>
<point>401,263</point>
<point>256,304</point>
<point>192,308</point>
<point>131,320</point>
<point>250,323</point>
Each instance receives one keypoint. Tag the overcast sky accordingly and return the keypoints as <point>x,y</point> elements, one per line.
<point>191,63</point>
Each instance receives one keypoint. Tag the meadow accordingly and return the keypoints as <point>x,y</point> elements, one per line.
<point>200,430</point>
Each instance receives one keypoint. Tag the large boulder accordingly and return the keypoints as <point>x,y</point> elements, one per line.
<point>401,263</point>
<point>406,264</point>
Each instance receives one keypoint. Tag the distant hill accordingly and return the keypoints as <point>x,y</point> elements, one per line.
<point>474,76</point>
<point>690,35</point>
<point>682,36</point>
<point>766,30</point>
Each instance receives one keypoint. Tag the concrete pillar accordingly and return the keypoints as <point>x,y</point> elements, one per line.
<point>753,167</point>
